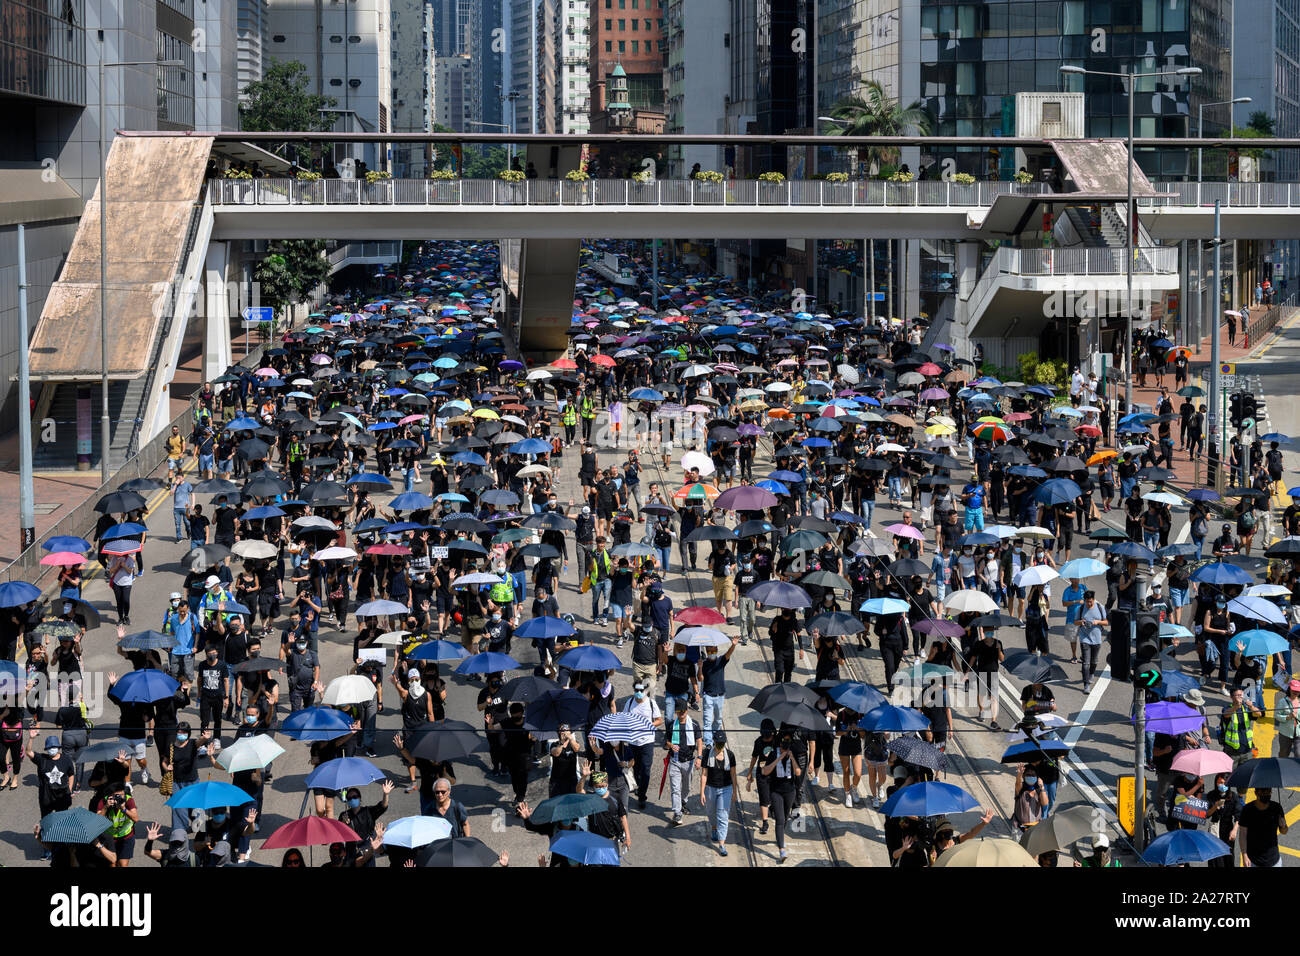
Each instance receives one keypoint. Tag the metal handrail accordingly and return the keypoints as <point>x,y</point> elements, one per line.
<point>623,192</point>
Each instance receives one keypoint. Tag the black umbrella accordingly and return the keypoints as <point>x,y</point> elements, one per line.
<point>536,550</point>
<point>786,692</point>
<point>216,486</point>
<point>265,485</point>
<point>141,485</point>
<point>120,502</point>
<point>553,708</point>
<point>1065,464</point>
<point>998,619</point>
<point>457,851</point>
<point>253,449</point>
<point>85,614</point>
<point>906,567</point>
<point>205,557</point>
<point>918,753</point>
<point>711,532</point>
<point>550,520</point>
<point>106,750</point>
<point>259,664</point>
<point>528,688</point>
<point>810,523</point>
<point>1152,473</point>
<point>837,624</point>
<point>1276,773</point>
<point>796,714</point>
<point>445,740</point>
<point>1034,668</point>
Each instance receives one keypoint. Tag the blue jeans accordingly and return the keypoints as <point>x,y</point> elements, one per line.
<point>712,718</point>
<point>600,596</point>
<point>205,463</point>
<point>520,580</point>
<point>868,509</point>
<point>663,558</point>
<point>974,519</point>
<point>1126,486</point>
<point>895,488</point>
<point>181,524</point>
<point>1151,539</point>
<point>670,701</point>
<point>409,482</point>
<point>1200,546</point>
<point>1051,798</point>
<point>717,800</point>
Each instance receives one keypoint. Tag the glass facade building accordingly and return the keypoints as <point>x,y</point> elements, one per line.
<point>43,49</point>
<point>974,58</point>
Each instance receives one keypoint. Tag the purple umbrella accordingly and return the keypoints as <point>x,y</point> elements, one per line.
<point>510,365</point>
<point>1172,717</point>
<point>780,594</point>
<point>745,498</point>
<point>934,395</point>
<point>946,348</point>
<point>750,429</point>
<point>939,628</point>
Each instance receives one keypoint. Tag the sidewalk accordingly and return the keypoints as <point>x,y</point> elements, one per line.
<point>57,493</point>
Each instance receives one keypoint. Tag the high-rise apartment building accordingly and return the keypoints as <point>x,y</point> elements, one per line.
<point>629,33</point>
<point>414,68</point>
<point>489,51</point>
<point>451,92</point>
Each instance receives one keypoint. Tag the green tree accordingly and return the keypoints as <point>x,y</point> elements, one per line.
<point>445,158</point>
<point>485,163</point>
<point>282,102</point>
<point>1262,123</point>
<point>874,113</point>
<point>290,271</point>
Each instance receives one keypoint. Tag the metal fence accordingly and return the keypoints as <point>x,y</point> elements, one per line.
<point>81,520</point>
<point>1267,320</point>
<point>1227,194</point>
<point>604,192</point>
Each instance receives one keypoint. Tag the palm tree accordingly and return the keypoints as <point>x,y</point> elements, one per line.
<point>875,113</point>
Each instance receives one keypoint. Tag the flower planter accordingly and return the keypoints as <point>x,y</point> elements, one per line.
<point>837,194</point>
<point>961,194</point>
<point>511,193</point>
<point>444,190</point>
<point>772,194</point>
<point>641,192</point>
<point>575,192</point>
<point>900,194</point>
<point>706,192</point>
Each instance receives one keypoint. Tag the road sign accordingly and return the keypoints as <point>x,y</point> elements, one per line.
<point>1227,368</point>
<point>1127,799</point>
<point>258,315</point>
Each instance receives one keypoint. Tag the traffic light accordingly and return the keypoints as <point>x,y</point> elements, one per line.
<point>1146,668</point>
<point>1234,409</point>
<point>1248,410</point>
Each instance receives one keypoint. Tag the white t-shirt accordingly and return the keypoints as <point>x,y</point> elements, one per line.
<point>648,708</point>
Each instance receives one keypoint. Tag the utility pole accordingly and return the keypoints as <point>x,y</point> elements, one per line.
<point>1215,322</point>
<point>26,495</point>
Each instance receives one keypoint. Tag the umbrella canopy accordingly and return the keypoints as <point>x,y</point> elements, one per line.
<point>1202,761</point>
<point>143,686</point>
<point>1185,846</point>
<point>347,690</point>
<point>969,601</point>
<point>1272,772</point>
<point>586,848</point>
<point>412,832</point>
<point>569,806</point>
<point>458,851</point>
<point>890,718</point>
<point>1059,830</point>
<point>487,663</point>
<point>77,825</point>
<point>310,831</point>
<point>986,851</point>
<point>780,594</point>
<point>623,727</point>
<point>316,723</point>
<point>444,740</point>
<point>928,799</point>
<point>208,794</point>
<point>249,753</point>
<point>343,772</point>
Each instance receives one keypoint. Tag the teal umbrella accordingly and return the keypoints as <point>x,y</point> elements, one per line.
<point>77,825</point>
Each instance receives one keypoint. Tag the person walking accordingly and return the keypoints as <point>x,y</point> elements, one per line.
<point>782,771</point>
<point>685,751</point>
<point>717,788</point>
<point>122,572</point>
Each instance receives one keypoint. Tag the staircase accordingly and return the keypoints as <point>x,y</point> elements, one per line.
<point>61,454</point>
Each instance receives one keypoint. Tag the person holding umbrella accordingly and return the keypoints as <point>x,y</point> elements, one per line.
<point>1258,827</point>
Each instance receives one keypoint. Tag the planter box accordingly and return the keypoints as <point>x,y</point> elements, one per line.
<point>837,194</point>
<point>900,194</point>
<point>444,190</point>
<point>380,193</point>
<point>575,193</point>
<point>961,194</point>
<point>705,193</point>
<point>643,193</point>
<point>772,194</point>
<point>511,193</point>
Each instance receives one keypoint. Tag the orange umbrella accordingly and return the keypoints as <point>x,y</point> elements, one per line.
<point>1173,353</point>
<point>1105,454</point>
<point>779,413</point>
<point>605,360</point>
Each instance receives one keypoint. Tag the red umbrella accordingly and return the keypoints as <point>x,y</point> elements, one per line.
<point>606,360</point>
<point>699,616</point>
<point>929,368</point>
<point>1089,431</point>
<point>310,831</point>
<point>564,363</point>
<point>388,549</point>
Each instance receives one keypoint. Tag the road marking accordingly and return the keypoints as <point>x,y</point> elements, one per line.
<point>1089,707</point>
<point>1292,816</point>
<point>1290,852</point>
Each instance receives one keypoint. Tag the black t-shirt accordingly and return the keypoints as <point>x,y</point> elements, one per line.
<point>984,656</point>
<point>720,563</point>
<point>763,750</point>
<point>54,777</point>
<point>225,521</point>
<point>496,705</point>
<point>714,774</point>
<point>210,677</point>
<point>783,631</point>
<point>678,677</point>
<point>715,683</point>
<point>1262,824</point>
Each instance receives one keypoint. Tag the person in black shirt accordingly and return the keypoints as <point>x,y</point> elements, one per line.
<point>1258,827</point>
<point>517,752</point>
<point>213,679</point>
<point>1224,811</point>
<point>492,705</point>
<point>783,632</point>
<point>984,659</point>
<point>362,820</point>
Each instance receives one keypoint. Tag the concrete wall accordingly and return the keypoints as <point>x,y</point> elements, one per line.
<point>216,64</point>
<point>47,245</point>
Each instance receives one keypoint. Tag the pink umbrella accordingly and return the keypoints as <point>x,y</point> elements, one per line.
<point>934,394</point>
<point>320,358</point>
<point>906,531</point>
<point>390,549</point>
<point>411,418</point>
<point>310,831</point>
<point>266,372</point>
<point>63,559</point>
<point>929,368</point>
<point>1202,762</point>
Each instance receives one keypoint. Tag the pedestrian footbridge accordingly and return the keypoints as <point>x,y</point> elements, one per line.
<point>176,237</point>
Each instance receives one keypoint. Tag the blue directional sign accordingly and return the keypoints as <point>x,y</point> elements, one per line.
<point>261,314</point>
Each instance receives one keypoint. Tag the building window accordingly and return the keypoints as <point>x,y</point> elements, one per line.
<point>278,38</point>
<point>336,39</point>
<point>649,26</point>
<point>336,82</point>
<point>622,46</point>
<point>609,25</point>
<point>609,46</point>
<point>622,25</point>
<point>635,25</point>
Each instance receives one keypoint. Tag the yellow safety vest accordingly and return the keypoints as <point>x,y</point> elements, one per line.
<point>596,568</point>
<point>570,416</point>
<point>588,408</point>
<point>1232,734</point>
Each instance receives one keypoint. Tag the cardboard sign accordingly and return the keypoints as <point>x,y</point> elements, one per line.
<point>1189,809</point>
<point>438,552</point>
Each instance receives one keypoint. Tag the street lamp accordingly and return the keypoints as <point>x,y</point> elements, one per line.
<point>1200,246</point>
<point>1200,119</point>
<point>1128,230</point>
<point>105,473</point>
<point>868,254</point>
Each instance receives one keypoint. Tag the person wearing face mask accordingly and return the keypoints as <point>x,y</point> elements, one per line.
<point>1225,806</point>
<point>362,820</point>
<point>181,624</point>
<point>713,680</point>
<point>643,702</point>
<point>681,680</point>
<point>303,669</point>
<point>214,692</point>
<point>718,781</point>
<point>492,705</point>
<point>684,749</point>
<point>745,578</point>
<point>517,752</point>
<point>184,767</point>
<point>564,763</point>
<point>1030,798</point>
<point>611,823</point>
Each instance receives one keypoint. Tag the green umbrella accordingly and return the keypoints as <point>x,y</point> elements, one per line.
<point>513,534</point>
<point>77,825</point>
<point>802,541</point>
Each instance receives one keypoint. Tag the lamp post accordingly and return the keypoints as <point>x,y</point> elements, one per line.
<point>1129,224</point>
<point>868,254</point>
<point>104,470</point>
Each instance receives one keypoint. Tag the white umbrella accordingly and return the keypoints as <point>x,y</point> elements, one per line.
<point>1267,590</point>
<point>393,638</point>
<point>780,387</point>
<point>315,521</point>
<point>701,637</point>
<point>970,600</point>
<point>477,577</point>
<point>254,549</point>
<point>695,371</point>
<point>1163,497</point>
<point>890,446</point>
<point>697,459</point>
<point>537,374</point>
<point>528,470</point>
<point>1038,574</point>
<point>250,753</point>
<point>848,373</point>
<point>335,553</point>
<point>347,690</point>
<point>1034,531</point>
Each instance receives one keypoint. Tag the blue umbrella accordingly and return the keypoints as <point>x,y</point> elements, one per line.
<point>589,657</point>
<point>857,696</point>
<point>412,832</point>
<point>530,446</point>
<point>816,443</point>
<point>883,606</point>
<point>410,501</point>
<point>780,594</point>
<point>265,511</point>
<point>1029,749</point>
<point>487,663</point>
<point>143,686</point>
<point>67,542</point>
<point>769,484</point>
<point>784,474</point>
<point>979,539</point>
<point>17,593</point>
<point>646,395</point>
<point>208,794</point>
<point>1257,643</point>
<point>1203,494</point>
<point>469,458</point>
<point>1131,549</point>
<point>586,848</point>
<point>372,482</point>
<point>928,799</point>
<point>1082,568</point>
<point>127,529</point>
<point>890,718</point>
<point>453,496</point>
<point>1176,684</point>
<point>544,627</point>
<point>1185,846</point>
<point>316,723</point>
<point>1220,573</point>
<point>438,651</point>
<point>1058,491</point>
<point>243,425</point>
<point>343,772</point>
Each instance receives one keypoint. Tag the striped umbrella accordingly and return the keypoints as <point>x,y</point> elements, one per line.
<point>77,825</point>
<point>624,727</point>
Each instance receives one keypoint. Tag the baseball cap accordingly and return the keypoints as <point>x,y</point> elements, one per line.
<point>179,835</point>
<point>600,778</point>
<point>719,736</point>
<point>1100,841</point>
<point>586,509</point>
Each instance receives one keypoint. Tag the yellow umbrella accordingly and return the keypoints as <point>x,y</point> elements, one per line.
<point>986,851</point>
<point>942,420</point>
<point>485,413</point>
<point>438,461</point>
<point>460,420</point>
<point>991,418</point>
<point>939,430</point>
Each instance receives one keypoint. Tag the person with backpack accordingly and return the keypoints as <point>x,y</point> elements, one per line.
<point>1247,523</point>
